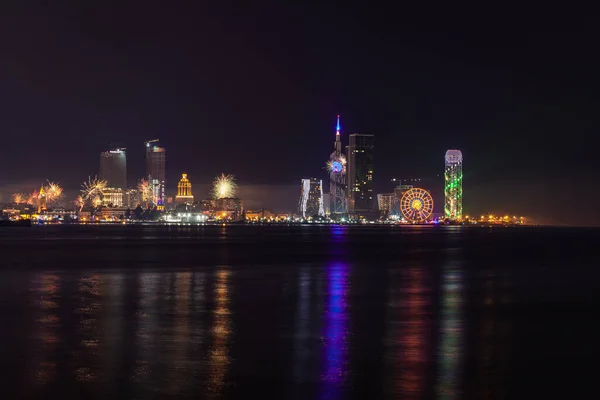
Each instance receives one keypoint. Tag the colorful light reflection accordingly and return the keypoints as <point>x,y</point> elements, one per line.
<point>335,338</point>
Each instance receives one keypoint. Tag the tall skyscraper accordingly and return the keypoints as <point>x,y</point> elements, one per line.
<point>155,170</point>
<point>337,175</point>
<point>453,192</point>
<point>311,198</point>
<point>184,191</point>
<point>360,174</point>
<point>113,168</point>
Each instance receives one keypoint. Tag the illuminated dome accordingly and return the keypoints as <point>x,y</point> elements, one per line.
<point>454,157</point>
<point>184,190</point>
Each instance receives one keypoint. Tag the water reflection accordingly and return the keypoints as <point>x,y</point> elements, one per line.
<point>335,340</point>
<point>451,335</point>
<point>89,329</point>
<point>338,232</point>
<point>492,337</point>
<point>112,325</point>
<point>177,373</point>
<point>302,321</point>
<point>219,352</point>
<point>48,325</point>
<point>413,339</point>
<point>146,321</point>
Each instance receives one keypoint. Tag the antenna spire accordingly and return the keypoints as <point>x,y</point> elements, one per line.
<point>338,128</point>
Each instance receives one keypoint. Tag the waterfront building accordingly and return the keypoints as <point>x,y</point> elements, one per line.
<point>227,208</point>
<point>113,168</point>
<point>258,215</point>
<point>131,198</point>
<point>311,198</point>
<point>453,190</point>
<point>112,197</point>
<point>337,175</point>
<point>156,170</point>
<point>111,213</point>
<point>184,191</point>
<point>385,203</point>
<point>360,174</point>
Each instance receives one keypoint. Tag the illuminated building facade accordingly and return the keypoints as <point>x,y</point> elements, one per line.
<point>113,168</point>
<point>112,197</point>
<point>259,215</point>
<point>360,173</point>
<point>156,170</point>
<point>42,206</point>
<point>453,191</point>
<point>311,198</point>
<point>228,208</point>
<point>337,175</point>
<point>385,203</point>
<point>184,191</point>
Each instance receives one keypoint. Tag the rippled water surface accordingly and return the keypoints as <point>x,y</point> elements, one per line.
<point>298,312</point>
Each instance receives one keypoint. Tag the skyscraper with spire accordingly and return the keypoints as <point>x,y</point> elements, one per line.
<point>337,174</point>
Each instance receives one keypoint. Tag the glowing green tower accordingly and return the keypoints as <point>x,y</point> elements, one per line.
<point>453,192</point>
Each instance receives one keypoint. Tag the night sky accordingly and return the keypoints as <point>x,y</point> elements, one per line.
<point>253,90</point>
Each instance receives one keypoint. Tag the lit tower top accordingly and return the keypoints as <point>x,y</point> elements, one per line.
<point>453,157</point>
<point>337,147</point>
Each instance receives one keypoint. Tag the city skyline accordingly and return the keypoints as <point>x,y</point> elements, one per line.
<point>88,77</point>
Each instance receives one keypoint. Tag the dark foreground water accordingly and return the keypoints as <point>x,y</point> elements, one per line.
<point>298,312</point>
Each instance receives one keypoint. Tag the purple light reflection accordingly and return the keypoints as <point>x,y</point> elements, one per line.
<point>337,231</point>
<point>335,337</point>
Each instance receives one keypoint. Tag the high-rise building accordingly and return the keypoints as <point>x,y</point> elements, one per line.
<point>113,168</point>
<point>360,174</point>
<point>337,175</point>
<point>156,170</point>
<point>453,192</point>
<point>184,191</point>
<point>311,198</point>
<point>326,204</point>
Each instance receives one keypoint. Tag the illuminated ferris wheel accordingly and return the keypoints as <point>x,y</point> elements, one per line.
<point>416,205</point>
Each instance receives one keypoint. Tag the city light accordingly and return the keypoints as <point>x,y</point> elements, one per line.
<point>92,188</point>
<point>224,186</point>
<point>145,191</point>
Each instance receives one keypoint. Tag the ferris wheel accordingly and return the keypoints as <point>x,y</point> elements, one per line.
<point>416,205</point>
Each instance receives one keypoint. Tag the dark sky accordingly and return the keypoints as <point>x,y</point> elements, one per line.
<point>253,89</point>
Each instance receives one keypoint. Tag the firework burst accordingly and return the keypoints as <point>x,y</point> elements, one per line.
<point>19,198</point>
<point>224,186</point>
<point>33,198</point>
<point>91,191</point>
<point>330,167</point>
<point>53,192</point>
<point>79,202</point>
<point>145,190</point>
<point>92,188</point>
